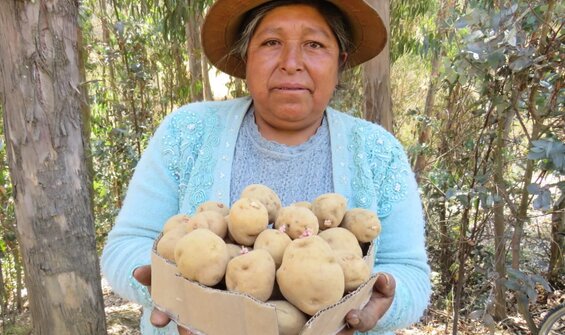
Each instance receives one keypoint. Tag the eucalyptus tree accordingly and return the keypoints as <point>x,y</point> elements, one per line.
<point>42,98</point>
<point>402,19</point>
<point>510,64</point>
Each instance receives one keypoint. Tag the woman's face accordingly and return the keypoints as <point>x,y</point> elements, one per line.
<point>292,67</point>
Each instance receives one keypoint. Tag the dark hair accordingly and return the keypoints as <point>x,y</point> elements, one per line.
<point>333,16</point>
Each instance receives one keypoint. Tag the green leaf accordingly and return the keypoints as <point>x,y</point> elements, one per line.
<point>532,155</point>
<point>520,64</point>
<point>534,188</point>
<point>465,21</point>
<point>542,281</point>
<point>496,59</point>
<point>543,200</point>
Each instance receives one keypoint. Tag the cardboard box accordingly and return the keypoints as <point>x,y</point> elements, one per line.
<point>211,311</point>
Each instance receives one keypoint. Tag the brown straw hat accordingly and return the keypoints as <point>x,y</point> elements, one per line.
<point>222,24</point>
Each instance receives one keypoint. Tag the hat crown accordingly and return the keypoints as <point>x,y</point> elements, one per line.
<point>221,30</point>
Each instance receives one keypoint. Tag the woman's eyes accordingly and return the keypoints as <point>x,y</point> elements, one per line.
<point>310,44</point>
<point>315,45</point>
<point>271,43</point>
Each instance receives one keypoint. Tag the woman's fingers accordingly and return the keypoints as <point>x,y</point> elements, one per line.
<point>158,318</point>
<point>143,275</point>
<point>184,331</point>
<point>380,301</point>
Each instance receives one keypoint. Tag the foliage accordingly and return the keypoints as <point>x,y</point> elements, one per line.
<point>135,78</point>
<point>502,107</point>
<point>501,82</point>
<point>10,271</point>
<point>411,26</point>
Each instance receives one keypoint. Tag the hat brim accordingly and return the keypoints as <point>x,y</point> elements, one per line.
<point>222,23</point>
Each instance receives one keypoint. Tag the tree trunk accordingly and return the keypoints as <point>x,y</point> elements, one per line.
<point>192,29</point>
<point>378,103</point>
<point>499,221</point>
<point>556,270</point>
<point>425,130</point>
<point>40,85</point>
<point>207,88</point>
<point>462,255</point>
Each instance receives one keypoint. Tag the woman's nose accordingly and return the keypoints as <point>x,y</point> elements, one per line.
<point>291,59</point>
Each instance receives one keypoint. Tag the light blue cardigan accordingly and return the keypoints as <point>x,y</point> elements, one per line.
<point>189,159</point>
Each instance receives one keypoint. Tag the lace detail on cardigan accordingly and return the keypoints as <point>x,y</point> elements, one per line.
<point>378,156</point>
<point>188,147</point>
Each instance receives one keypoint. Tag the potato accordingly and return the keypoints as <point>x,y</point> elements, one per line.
<point>213,220</point>
<point>202,256</point>
<point>252,273</point>
<point>363,223</point>
<point>213,206</point>
<point>275,242</point>
<point>235,250</point>
<point>248,218</point>
<point>341,239</point>
<point>297,220</point>
<point>266,196</point>
<point>310,277</point>
<point>329,208</point>
<point>290,319</point>
<point>355,270</point>
<point>176,221</point>
<point>306,204</point>
<point>167,243</point>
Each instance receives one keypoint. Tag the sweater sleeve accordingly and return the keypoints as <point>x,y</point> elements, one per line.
<point>401,245</point>
<point>152,197</point>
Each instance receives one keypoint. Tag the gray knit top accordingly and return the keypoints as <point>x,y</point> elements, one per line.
<point>287,170</point>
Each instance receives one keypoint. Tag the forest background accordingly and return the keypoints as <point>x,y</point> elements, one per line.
<point>476,96</point>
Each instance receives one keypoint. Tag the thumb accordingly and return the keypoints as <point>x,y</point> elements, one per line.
<point>385,285</point>
<point>143,275</point>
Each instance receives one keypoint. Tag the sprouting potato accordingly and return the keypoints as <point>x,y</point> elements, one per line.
<point>297,220</point>
<point>266,196</point>
<point>341,239</point>
<point>252,273</point>
<point>175,221</point>
<point>202,256</point>
<point>363,223</point>
<point>356,271</point>
<point>290,319</point>
<point>275,242</point>
<point>215,206</point>
<point>248,218</point>
<point>235,250</point>
<point>329,208</point>
<point>308,289</point>
<point>213,220</point>
<point>167,242</point>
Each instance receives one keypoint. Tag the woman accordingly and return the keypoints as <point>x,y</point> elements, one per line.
<point>284,136</point>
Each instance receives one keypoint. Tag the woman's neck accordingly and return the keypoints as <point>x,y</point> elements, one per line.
<point>290,135</point>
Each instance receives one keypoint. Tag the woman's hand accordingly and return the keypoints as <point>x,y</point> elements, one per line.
<point>158,319</point>
<point>380,301</point>
<point>357,320</point>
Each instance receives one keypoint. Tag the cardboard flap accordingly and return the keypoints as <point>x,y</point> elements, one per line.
<point>331,320</point>
<point>209,311</point>
<point>214,313</point>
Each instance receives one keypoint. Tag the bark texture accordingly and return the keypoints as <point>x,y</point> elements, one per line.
<point>40,82</point>
<point>378,103</point>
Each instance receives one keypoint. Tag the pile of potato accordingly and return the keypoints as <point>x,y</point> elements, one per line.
<point>301,258</point>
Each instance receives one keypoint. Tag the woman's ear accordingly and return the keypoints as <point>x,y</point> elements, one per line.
<point>343,59</point>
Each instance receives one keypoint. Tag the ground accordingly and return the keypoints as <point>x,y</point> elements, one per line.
<point>122,318</point>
